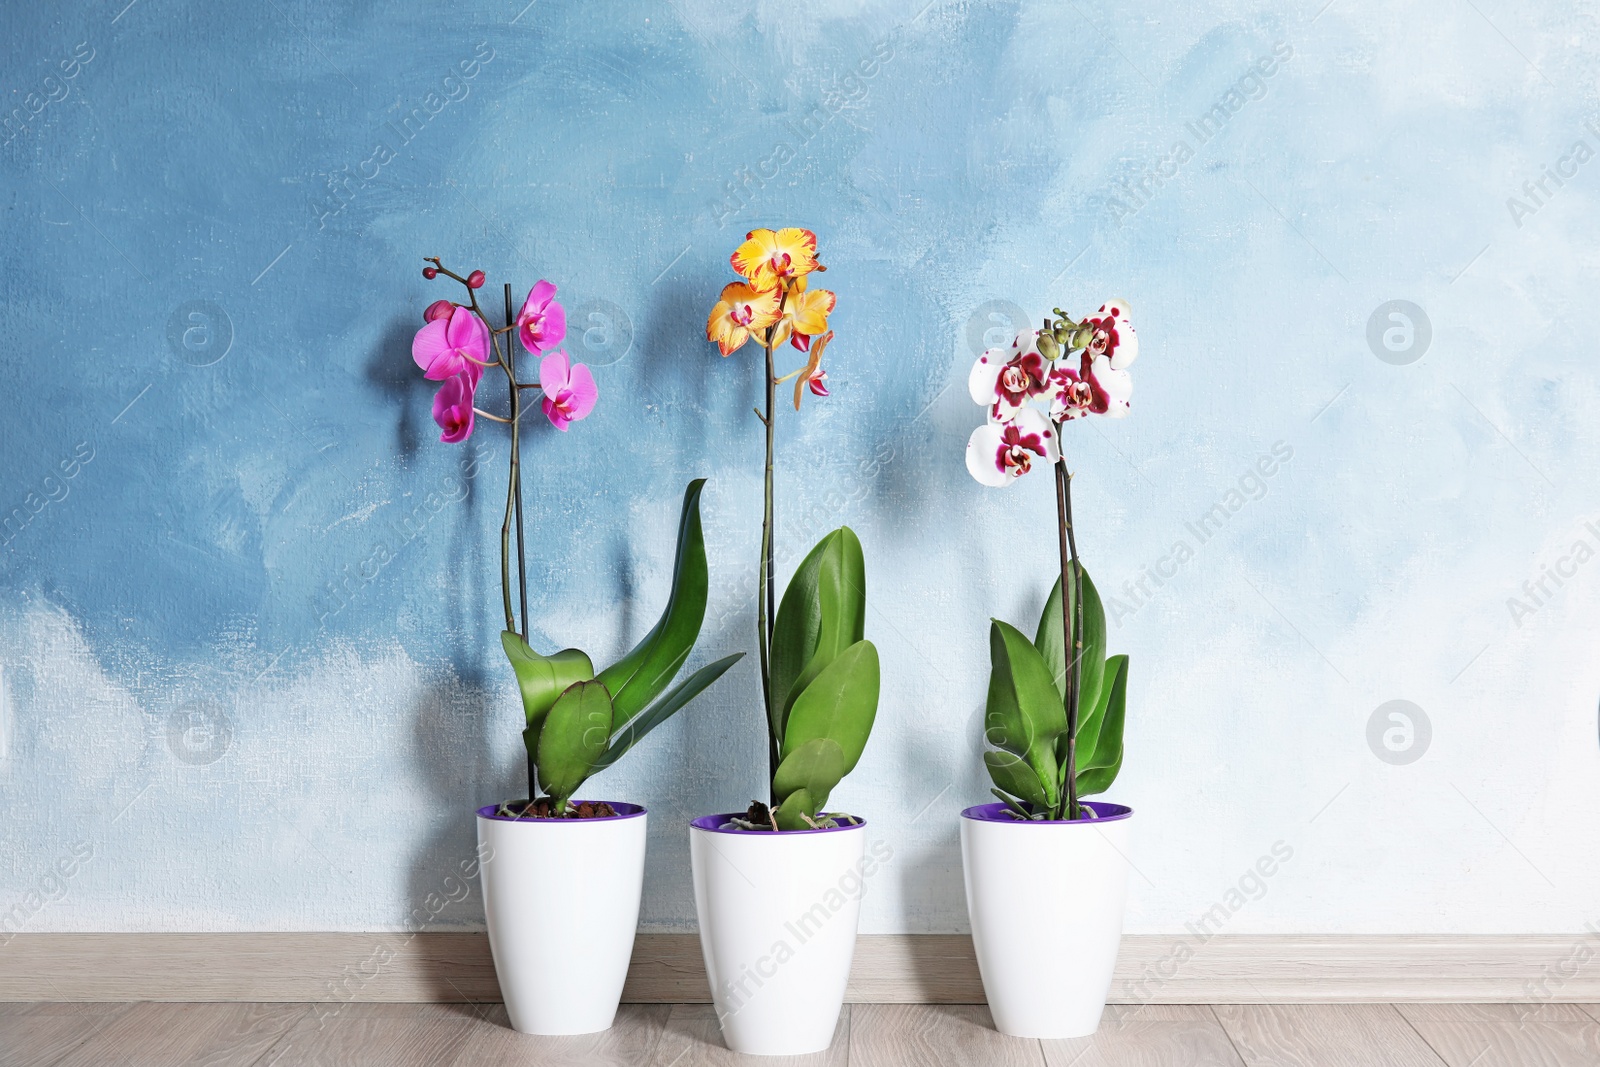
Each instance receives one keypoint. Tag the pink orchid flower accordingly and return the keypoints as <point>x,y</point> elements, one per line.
<point>998,453</point>
<point>452,407</point>
<point>542,323</point>
<point>451,344</point>
<point>569,389</point>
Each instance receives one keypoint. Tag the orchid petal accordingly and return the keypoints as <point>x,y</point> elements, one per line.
<point>466,332</point>
<point>1122,343</point>
<point>772,260</point>
<point>452,408</point>
<point>430,343</point>
<point>981,449</point>
<point>557,417</point>
<point>538,297</point>
<point>984,374</point>
<point>542,322</point>
<point>1118,384</point>
<point>582,392</point>
<point>1112,388</point>
<point>554,369</point>
<point>555,324</point>
<point>813,368</point>
<point>737,311</point>
<point>1030,422</point>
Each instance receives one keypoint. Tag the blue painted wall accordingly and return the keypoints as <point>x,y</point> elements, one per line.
<point>248,602</point>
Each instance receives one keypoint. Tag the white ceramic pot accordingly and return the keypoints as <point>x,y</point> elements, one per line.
<point>1046,901</point>
<point>778,918</point>
<point>561,897</point>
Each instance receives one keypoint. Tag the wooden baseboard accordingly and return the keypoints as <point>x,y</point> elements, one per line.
<point>914,968</point>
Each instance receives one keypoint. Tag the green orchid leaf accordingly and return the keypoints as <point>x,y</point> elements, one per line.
<point>823,612</point>
<point>1093,718</point>
<point>1048,641</point>
<point>1013,775</point>
<point>543,678</point>
<point>795,631</point>
<point>1024,714</point>
<point>840,703</point>
<point>801,802</point>
<point>634,730</point>
<point>572,739</point>
<point>1101,768</point>
<point>1099,779</point>
<point>816,767</point>
<point>1013,803</point>
<point>639,677</point>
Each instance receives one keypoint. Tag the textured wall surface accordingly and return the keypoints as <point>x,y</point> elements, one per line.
<point>249,676</point>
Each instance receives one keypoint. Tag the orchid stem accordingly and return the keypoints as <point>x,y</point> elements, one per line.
<point>1071,626</point>
<point>767,596</point>
<point>516,462</point>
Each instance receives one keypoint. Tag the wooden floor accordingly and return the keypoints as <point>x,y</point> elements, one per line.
<point>870,1035</point>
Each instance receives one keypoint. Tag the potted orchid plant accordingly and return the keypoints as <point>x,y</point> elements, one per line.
<point>777,886</point>
<point>562,876</point>
<point>1055,710</point>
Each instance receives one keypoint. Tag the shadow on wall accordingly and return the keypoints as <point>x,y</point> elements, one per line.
<point>686,387</point>
<point>394,375</point>
<point>930,872</point>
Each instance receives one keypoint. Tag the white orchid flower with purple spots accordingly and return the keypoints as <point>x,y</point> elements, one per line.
<point>1070,370</point>
<point>1112,334</point>
<point>1004,380</point>
<point>1092,388</point>
<point>998,453</point>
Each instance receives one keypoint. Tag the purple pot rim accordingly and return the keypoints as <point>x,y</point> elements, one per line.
<point>998,813</point>
<point>712,824</point>
<point>623,810</point>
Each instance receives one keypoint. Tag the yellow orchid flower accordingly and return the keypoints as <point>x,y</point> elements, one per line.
<point>813,375</point>
<point>805,314</point>
<point>773,260</point>
<point>740,310</point>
